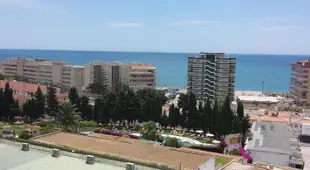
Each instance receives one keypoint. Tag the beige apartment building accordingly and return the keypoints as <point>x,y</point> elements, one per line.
<point>300,82</point>
<point>136,75</point>
<point>115,74</point>
<point>44,71</point>
<point>142,76</point>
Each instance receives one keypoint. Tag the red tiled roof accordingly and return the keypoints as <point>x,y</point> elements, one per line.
<point>21,99</point>
<point>63,95</point>
<point>21,86</point>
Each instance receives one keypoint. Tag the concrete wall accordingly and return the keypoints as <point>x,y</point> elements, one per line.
<point>208,165</point>
<point>269,157</point>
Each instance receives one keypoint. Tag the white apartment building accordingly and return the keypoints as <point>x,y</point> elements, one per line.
<point>45,72</point>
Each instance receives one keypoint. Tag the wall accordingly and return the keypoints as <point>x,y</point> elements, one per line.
<point>208,165</point>
<point>308,89</point>
<point>269,157</point>
<point>57,74</point>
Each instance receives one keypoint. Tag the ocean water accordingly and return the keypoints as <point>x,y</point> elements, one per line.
<point>251,69</point>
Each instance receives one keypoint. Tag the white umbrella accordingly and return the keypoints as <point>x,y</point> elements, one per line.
<point>199,131</point>
<point>209,135</point>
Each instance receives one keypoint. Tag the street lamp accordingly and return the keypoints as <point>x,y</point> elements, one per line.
<point>263,83</point>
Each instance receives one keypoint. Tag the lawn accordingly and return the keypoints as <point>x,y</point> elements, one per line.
<point>17,128</point>
<point>222,160</point>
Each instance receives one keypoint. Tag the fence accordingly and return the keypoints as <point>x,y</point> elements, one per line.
<point>76,155</point>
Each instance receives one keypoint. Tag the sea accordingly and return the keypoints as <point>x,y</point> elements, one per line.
<point>251,69</point>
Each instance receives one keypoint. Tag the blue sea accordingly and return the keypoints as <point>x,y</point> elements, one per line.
<point>251,69</point>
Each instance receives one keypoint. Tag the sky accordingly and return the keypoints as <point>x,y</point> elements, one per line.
<point>231,26</point>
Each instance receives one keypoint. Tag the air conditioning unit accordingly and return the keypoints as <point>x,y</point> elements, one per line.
<point>25,147</point>
<point>130,166</point>
<point>90,159</point>
<point>55,153</point>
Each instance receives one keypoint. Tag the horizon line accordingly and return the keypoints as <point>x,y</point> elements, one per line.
<point>136,51</point>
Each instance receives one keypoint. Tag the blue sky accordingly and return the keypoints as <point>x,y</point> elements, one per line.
<point>232,26</point>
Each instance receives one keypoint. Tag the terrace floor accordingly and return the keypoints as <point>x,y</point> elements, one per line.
<point>128,148</point>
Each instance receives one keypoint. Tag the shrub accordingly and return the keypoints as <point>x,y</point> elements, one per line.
<point>207,148</point>
<point>235,152</point>
<point>116,134</point>
<point>133,136</point>
<point>25,135</point>
<point>88,123</point>
<point>44,123</point>
<point>148,131</point>
<point>159,138</point>
<point>172,142</point>
<point>97,130</point>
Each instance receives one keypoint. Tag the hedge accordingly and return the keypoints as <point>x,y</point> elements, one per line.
<point>106,156</point>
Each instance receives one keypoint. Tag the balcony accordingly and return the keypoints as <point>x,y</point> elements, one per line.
<point>209,71</point>
<point>220,75</point>
<point>225,84</point>
<point>209,86</point>
<point>209,81</point>
<point>209,62</point>
<point>212,77</point>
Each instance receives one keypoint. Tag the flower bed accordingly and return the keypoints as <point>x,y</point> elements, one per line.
<point>115,133</point>
<point>133,136</point>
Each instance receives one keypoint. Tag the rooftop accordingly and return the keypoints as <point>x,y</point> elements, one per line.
<point>270,137</point>
<point>22,86</point>
<point>12,158</point>
<point>141,66</point>
<point>128,148</point>
<point>237,165</point>
<point>258,99</point>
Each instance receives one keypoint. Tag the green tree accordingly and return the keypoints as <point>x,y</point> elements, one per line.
<point>227,117</point>
<point>188,103</point>
<point>7,101</point>
<point>216,124</point>
<point>174,116</point>
<point>51,101</point>
<point>240,109</point>
<point>68,117</point>
<point>2,77</point>
<point>74,97</point>
<point>245,125</point>
<point>39,102</point>
<point>29,109</point>
<point>14,109</point>
<point>207,116</point>
<point>151,102</point>
<point>149,131</point>
<point>86,109</point>
<point>164,119</point>
<point>98,110</point>
<point>110,107</point>
<point>101,86</point>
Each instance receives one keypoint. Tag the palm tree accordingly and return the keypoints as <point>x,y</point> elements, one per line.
<point>68,117</point>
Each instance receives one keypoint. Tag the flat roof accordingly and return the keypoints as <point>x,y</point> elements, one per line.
<point>242,166</point>
<point>258,99</point>
<point>136,150</point>
<point>12,158</point>
<point>270,137</point>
